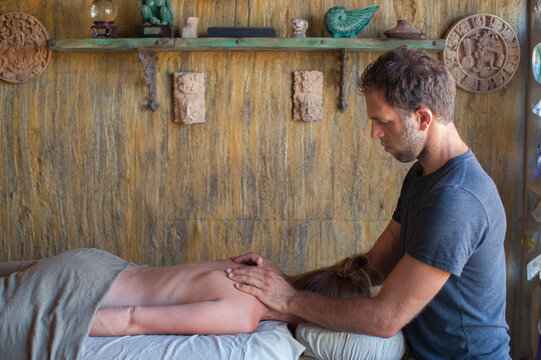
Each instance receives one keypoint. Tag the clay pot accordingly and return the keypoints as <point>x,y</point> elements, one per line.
<point>403,31</point>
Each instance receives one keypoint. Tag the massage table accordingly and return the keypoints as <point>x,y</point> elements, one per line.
<point>48,306</point>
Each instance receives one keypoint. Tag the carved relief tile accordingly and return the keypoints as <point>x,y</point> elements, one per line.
<point>482,53</point>
<point>308,96</point>
<point>23,49</point>
<point>189,96</point>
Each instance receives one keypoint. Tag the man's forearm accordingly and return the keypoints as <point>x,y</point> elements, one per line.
<point>361,315</point>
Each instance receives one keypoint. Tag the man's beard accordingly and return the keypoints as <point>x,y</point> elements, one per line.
<point>410,141</point>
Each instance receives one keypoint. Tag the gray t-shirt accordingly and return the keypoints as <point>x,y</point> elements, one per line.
<point>453,219</point>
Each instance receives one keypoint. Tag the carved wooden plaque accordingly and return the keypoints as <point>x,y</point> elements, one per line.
<point>23,49</point>
<point>482,53</point>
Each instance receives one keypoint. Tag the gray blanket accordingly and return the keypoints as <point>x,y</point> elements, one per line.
<point>47,308</point>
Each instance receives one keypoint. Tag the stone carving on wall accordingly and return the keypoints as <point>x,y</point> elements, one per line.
<point>482,53</point>
<point>23,47</point>
<point>189,97</point>
<point>308,96</point>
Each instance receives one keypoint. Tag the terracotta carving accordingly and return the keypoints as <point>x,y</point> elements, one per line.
<point>23,49</point>
<point>190,30</point>
<point>482,53</point>
<point>308,96</point>
<point>189,96</point>
<point>298,28</point>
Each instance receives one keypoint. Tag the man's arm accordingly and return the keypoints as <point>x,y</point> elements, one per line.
<point>385,253</point>
<point>407,290</point>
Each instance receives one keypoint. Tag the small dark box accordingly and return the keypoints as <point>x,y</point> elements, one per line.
<point>240,32</point>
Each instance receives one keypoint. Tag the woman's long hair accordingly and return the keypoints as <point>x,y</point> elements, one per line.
<point>349,278</point>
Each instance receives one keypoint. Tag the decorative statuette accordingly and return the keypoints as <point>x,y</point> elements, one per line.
<point>190,30</point>
<point>308,96</point>
<point>157,16</point>
<point>341,23</point>
<point>23,49</point>
<point>482,53</point>
<point>189,95</point>
<point>298,28</point>
<point>157,12</point>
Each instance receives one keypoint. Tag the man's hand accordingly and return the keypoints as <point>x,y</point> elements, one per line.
<point>260,261</point>
<point>267,284</point>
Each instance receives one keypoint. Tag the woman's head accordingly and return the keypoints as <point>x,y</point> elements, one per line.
<point>349,278</point>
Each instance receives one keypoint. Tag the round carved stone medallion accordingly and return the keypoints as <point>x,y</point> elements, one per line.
<point>23,49</point>
<point>482,53</point>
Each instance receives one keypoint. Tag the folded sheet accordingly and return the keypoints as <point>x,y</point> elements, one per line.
<point>47,308</point>
<point>270,341</point>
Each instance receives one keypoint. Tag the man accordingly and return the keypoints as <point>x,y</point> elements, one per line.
<point>442,253</point>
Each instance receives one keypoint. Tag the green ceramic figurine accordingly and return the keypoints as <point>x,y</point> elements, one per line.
<point>341,23</point>
<point>157,12</point>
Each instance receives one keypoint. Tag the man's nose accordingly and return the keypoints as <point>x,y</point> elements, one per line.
<point>377,132</point>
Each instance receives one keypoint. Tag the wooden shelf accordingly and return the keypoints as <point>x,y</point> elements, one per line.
<point>239,44</point>
<point>148,47</point>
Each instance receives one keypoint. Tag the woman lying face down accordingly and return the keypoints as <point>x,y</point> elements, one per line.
<point>197,299</point>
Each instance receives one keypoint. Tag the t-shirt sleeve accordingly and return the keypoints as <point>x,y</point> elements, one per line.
<point>403,190</point>
<point>396,213</point>
<point>448,228</point>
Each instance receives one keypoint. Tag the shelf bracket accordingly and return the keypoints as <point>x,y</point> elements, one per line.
<point>342,105</point>
<point>148,60</point>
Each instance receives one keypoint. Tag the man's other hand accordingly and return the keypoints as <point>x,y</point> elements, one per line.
<point>268,285</point>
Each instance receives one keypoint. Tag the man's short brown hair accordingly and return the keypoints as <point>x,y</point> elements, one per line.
<point>411,79</point>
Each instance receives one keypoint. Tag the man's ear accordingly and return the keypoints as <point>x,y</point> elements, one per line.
<point>424,117</point>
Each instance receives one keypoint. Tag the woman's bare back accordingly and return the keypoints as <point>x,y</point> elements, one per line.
<point>174,285</point>
<point>193,298</point>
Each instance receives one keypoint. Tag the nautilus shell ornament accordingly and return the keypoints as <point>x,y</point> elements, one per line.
<point>342,23</point>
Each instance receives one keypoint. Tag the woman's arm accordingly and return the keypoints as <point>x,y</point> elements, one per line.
<point>225,316</point>
<point>112,321</point>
